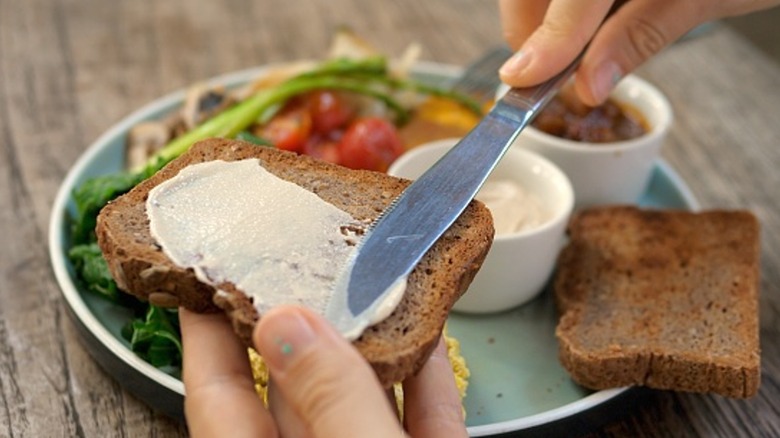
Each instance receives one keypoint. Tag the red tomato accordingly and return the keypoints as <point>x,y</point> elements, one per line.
<point>322,148</point>
<point>328,111</point>
<point>370,143</point>
<point>289,129</point>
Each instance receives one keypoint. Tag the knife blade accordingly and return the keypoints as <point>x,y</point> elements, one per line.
<point>372,282</point>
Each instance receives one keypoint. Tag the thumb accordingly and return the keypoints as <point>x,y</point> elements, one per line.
<point>322,377</point>
<point>567,27</point>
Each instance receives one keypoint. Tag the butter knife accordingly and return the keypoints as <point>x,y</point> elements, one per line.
<point>373,281</point>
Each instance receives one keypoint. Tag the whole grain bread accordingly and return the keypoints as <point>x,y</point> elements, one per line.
<point>664,299</point>
<point>396,347</point>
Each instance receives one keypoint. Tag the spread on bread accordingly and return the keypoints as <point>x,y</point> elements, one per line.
<point>233,221</point>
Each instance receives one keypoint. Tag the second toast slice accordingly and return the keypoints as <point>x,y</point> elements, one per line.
<point>665,299</point>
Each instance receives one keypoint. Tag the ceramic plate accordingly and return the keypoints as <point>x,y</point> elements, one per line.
<point>516,381</point>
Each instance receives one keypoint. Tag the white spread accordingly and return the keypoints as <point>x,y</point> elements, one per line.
<point>380,309</point>
<point>236,222</point>
<point>513,208</point>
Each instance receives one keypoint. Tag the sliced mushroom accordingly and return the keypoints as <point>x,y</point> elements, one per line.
<point>203,103</point>
<point>402,66</point>
<point>144,140</point>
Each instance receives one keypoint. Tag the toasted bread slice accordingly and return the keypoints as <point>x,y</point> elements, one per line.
<point>396,347</point>
<point>665,299</point>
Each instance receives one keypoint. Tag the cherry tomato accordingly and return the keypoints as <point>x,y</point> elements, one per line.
<point>290,129</point>
<point>323,148</point>
<point>370,143</point>
<point>329,111</point>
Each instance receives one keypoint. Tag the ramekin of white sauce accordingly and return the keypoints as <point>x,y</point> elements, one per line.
<point>531,201</point>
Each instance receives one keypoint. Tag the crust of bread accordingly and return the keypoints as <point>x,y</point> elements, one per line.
<point>396,347</point>
<point>664,299</point>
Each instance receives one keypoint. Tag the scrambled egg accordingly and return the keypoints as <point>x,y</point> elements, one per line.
<point>259,373</point>
<point>459,368</point>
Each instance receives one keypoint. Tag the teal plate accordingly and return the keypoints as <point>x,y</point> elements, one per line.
<point>516,381</point>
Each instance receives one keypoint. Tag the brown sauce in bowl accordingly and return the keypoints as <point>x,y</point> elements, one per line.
<point>567,117</point>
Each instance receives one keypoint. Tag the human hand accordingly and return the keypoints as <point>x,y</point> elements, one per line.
<point>322,387</point>
<point>549,34</point>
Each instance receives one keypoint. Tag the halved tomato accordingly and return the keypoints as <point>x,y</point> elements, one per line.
<point>323,148</point>
<point>329,111</point>
<point>290,129</point>
<point>370,143</point>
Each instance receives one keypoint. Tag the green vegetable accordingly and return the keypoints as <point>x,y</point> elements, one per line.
<point>91,196</point>
<point>375,69</point>
<point>251,138</point>
<point>236,119</point>
<point>373,65</point>
<point>156,338</point>
<point>419,87</point>
<point>88,260</point>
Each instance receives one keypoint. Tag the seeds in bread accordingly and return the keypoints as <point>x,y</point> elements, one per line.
<point>665,299</point>
<point>396,347</point>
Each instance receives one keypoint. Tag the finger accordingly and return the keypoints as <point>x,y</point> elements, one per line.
<point>432,405</point>
<point>639,30</point>
<point>287,420</point>
<point>322,376</point>
<point>633,34</point>
<point>519,19</point>
<point>567,27</point>
<point>220,395</point>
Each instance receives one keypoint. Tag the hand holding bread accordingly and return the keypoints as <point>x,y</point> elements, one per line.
<point>316,374</point>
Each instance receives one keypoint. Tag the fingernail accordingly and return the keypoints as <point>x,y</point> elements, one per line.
<point>606,77</point>
<point>283,334</point>
<point>516,63</point>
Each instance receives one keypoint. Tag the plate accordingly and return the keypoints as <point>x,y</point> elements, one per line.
<point>516,381</point>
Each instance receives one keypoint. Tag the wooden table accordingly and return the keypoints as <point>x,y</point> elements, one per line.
<point>69,69</point>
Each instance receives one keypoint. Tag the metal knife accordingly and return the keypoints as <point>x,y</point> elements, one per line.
<point>397,240</point>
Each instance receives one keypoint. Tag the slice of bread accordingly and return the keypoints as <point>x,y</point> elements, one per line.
<point>396,347</point>
<point>664,299</point>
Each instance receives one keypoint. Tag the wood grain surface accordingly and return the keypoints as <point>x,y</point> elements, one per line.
<point>69,69</point>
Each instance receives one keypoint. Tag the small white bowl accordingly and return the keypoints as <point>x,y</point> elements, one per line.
<point>615,172</point>
<point>519,263</point>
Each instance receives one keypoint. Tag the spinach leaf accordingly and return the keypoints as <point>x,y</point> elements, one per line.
<point>155,338</point>
<point>91,196</point>
<point>93,270</point>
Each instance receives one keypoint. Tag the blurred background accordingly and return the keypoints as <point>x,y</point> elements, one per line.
<point>762,29</point>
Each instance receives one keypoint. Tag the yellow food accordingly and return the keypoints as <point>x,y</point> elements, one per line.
<point>459,369</point>
<point>437,118</point>
<point>259,373</point>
